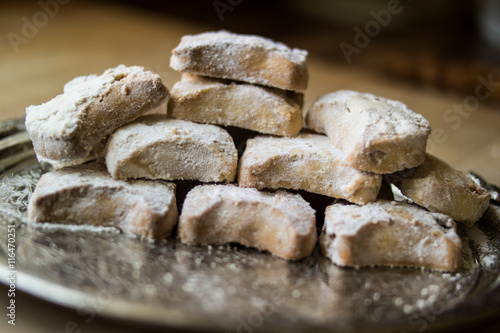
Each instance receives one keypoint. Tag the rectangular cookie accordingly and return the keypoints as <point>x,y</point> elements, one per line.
<point>390,233</point>
<point>309,162</point>
<point>86,194</point>
<point>156,147</point>
<point>230,103</point>
<point>246,58</point>
<point>66,129</point>
<point>280,222</point>
<point>441,188</point>
<point>375,134</point>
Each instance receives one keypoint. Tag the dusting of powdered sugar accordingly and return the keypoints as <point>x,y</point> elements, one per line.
<point>61,116</point>
<point>299,212</point>
<point>485,248</point>
<point>227,38</point>
<point>391,117</point>
<point>55,227</point>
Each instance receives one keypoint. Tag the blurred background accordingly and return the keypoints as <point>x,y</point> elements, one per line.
<point>439,57</point>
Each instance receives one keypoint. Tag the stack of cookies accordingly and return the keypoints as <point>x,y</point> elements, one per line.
<point>385,138</point>
<point>254,84</point>
<point>73,128</point>
<point>247,82</point>
<point>244,81</point>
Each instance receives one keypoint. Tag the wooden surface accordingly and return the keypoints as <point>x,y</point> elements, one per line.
<point>83,39</point>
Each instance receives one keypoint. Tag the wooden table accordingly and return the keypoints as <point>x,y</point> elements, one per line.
<point>81,39</point>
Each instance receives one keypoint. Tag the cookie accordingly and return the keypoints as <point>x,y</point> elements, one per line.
<point>389,233</point>
<point>86,194</point>
<point>246,58</point>
<point>230,103</point>
<point>155,147</point>
<point>280,222</point>
<point>442,188</point>
<point>375,134</point>
<point>71,128</point>
<point>309,162</point>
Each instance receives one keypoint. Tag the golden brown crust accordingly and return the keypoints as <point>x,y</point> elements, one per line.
<point>309,162</point>
<point>246,58</point>
<point>155,147</point>
<point>280,222</point>
<point>230,103</point>
<point>389,233</point>
<point>441,188</point>
<point>66,129</point>
<point>375,134</point>
<point>86,194</point>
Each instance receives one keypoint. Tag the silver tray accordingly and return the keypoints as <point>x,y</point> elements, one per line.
<point>100,271</point>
